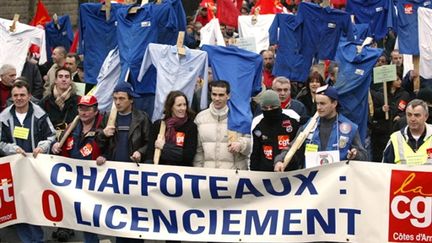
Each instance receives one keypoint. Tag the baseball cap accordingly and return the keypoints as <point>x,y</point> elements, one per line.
<point>329,91</point>
<point>123,86</point>
<point>88,100</point>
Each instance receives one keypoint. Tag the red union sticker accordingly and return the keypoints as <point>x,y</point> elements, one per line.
<point>402,105</point>
<point>429,152</point>
<point>283,141</point>
<point>268,152</point>
<point>7,203</point>
<point>408,8</point>
<point>180,136</point>
<point>410,218</point>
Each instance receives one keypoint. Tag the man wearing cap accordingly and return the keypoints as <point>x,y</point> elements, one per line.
<point>272,131</point>
<point>131,130</point>
<point>128,139</point>
<point>412,144</point>
<point>332,133</point>
<point>25,128</point>
<point>81,144</point>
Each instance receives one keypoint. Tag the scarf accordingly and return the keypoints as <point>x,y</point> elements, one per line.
<point>171,124</point>
<point>60,99</point>
<point>285,104</point>
<point>5,93</point>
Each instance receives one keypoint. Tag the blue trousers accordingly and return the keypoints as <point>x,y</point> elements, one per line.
<point>29,233</point>
<point>90,237</point>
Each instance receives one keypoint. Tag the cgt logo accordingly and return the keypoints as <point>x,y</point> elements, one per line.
<point>410,216</point>
<point>7,204</point>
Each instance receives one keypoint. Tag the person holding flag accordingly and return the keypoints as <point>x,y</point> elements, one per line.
<point>271,132</point>
<point>216,149</point>
<point>124,133</point>
<point>25,128</point>
<point>333,138</point>
<point>179,141</point>
<point>80,143</point>
<point>130,129</point>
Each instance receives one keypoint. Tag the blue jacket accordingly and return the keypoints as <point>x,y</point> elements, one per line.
<point>341,137</point>
<point>407,25</point>
<point>344,136</point>
<point>244,78</point>
<point>354,78</point>
<point>59,37</point>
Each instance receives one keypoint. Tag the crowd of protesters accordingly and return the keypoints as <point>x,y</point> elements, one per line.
<point>42,103</point>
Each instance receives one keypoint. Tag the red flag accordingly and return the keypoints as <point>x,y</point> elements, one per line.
<point>268,7</point>
<point>227,13</point>
<point>206,3</point>
<point>41,16</point>
<point>239,4</point>
<point>210,6</point>
<point>75,41</point>
<point>338,3</point>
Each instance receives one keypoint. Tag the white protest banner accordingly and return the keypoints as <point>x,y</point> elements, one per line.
<point>341,202</point>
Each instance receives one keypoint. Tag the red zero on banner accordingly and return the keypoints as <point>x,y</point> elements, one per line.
<point>52,206</point>
<point>410,218</point>
<point>7,203</point>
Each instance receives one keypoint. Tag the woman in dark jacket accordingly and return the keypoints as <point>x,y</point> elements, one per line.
<point>307,94</point>
<point>178,144</point>
<point>398,98</point>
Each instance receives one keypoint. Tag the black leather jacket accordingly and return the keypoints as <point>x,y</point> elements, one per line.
<point>138,136</point>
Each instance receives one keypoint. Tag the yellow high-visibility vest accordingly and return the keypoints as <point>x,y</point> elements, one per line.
<point>404,154</point>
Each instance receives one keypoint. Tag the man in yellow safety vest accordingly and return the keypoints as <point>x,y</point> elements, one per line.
<point>412,144</point>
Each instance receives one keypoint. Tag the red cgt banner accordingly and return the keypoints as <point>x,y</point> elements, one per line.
<point>410,207</point>
<point>7,203</point>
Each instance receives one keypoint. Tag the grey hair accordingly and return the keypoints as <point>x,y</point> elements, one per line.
<point>418,102</point>
<point>281,79</point>
<point>62,51</point>
<point>5,68</point>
